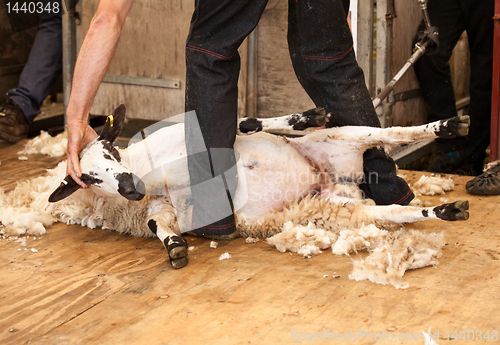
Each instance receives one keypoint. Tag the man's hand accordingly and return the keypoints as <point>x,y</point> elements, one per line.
<point>79,136</point>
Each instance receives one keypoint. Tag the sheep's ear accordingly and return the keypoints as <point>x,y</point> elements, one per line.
<point>114,124</point>
<point>69,186</point>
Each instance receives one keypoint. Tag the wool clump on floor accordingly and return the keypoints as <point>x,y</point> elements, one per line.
<point>391,254</point>
<point>46,144</point>
<point>433,185</point>
<point>225,256</point>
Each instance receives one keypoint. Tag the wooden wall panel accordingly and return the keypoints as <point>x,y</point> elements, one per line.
<point>409,15</point>
<point>459,66</point>
<point>151,46</point>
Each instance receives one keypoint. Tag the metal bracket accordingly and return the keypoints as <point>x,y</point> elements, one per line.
<point>139,81</point>
<point>406,95</point>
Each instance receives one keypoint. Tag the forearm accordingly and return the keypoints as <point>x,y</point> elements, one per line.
<point>95,56</point>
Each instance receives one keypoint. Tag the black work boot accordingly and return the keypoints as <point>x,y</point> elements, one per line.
<point>13,123</point>
<point>488,183</point>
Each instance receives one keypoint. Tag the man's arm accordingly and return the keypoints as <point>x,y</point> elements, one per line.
<point>95,55</point>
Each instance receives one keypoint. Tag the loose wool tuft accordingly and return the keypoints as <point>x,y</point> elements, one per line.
<point>305,240</point>
<point>433,185</point>
<point>45,144</point>
<point>401,251</point>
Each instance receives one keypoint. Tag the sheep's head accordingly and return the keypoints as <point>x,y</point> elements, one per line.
<point>102,165</point>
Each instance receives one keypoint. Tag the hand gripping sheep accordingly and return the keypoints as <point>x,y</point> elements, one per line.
<point>308,179</point>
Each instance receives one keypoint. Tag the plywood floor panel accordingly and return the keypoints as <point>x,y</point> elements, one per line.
<point>86,286</point>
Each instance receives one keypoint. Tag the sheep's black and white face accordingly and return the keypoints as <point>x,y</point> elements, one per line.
<point>102,166</point>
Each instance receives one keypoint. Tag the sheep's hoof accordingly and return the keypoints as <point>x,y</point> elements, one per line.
<point>454,211</point>
<point>179,263</point>
<point>455,127</point>
<point>178,252</point>
<point>316,117</point>
<point>463,126</point>
<point>176,247</point>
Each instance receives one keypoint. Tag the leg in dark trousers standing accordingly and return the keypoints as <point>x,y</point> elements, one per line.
<point>323,58</point>
<point>453,17</point>
<point>218,28</point>
<point>43,68</point>
<point>37,79</point>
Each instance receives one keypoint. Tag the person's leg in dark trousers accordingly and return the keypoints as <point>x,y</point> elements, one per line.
<point>479,27</point>
<point>218,27</point>
<point>452,17</point>
<point>323,58</point>
<point>43,67</point>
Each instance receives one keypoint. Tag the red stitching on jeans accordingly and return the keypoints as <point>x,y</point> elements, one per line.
<point>209,52</point>
<point>403,198</point>
<point>326,58</point>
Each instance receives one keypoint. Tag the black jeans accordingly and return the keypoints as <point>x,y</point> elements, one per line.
<point>323,58</point>
<point>452,17</point>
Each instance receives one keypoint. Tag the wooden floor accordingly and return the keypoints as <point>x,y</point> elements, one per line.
<point>85,286</point>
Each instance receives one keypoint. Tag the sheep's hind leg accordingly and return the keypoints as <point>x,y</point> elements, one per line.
<point>176,245</point>
<point>407,214</point>
<point>454,211</point>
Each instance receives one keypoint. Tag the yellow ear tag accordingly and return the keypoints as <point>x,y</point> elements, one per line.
<point>110,119</point>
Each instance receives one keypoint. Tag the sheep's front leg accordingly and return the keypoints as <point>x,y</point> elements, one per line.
<point>408,214</point>
<point>161,221</point>
<point>312,118</point>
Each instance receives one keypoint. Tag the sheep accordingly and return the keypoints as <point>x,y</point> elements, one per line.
<point>314,178</point>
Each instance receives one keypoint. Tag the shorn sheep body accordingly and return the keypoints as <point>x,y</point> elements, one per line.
<point>322,209</point>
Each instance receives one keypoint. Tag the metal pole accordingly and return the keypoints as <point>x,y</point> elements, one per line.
<point>419,51</point>
<point>423,7</point>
